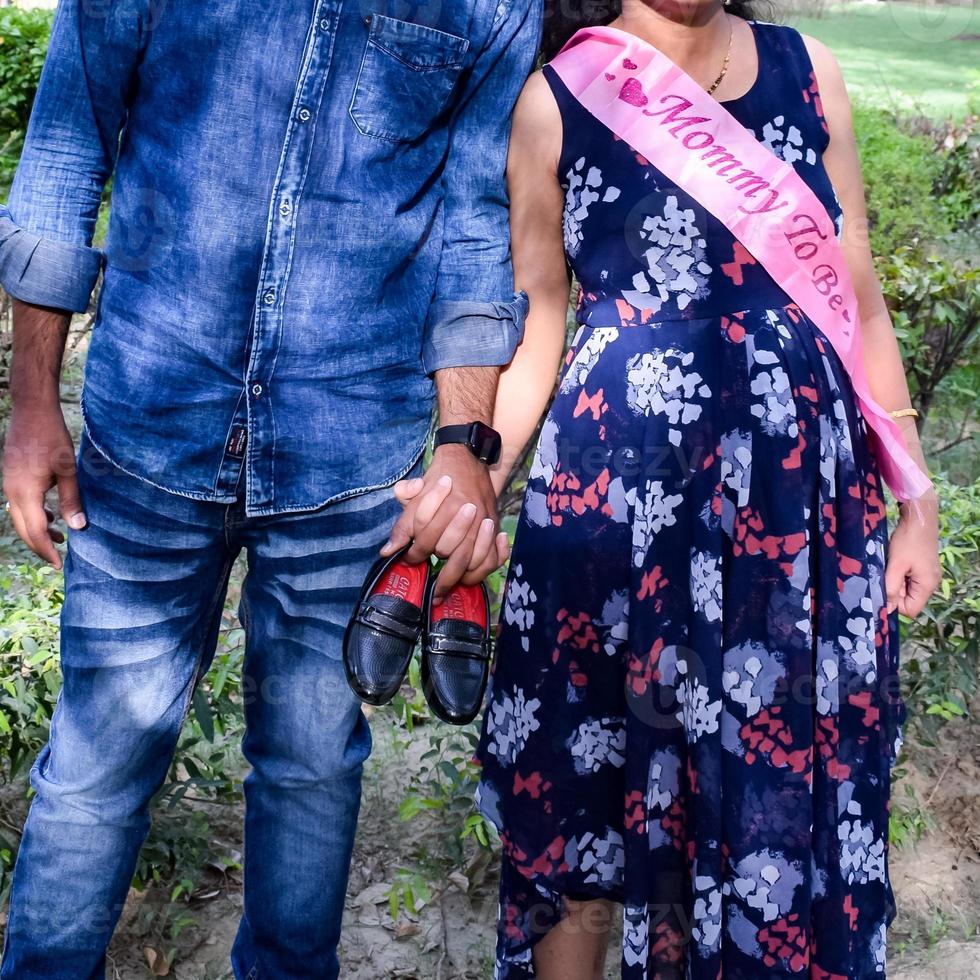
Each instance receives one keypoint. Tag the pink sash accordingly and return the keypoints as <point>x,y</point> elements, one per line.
<point>662,113</point>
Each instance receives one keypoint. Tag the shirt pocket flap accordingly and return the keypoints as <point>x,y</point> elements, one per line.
<point>419,47</point>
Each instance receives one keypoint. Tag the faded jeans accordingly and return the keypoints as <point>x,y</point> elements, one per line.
<point>145,585</point>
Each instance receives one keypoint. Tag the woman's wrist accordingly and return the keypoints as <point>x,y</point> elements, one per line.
<point>923,509</point>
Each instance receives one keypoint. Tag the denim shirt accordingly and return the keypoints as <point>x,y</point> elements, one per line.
<point>308,220</point>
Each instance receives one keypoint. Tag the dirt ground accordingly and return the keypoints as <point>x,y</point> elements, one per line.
<point>937,884</point>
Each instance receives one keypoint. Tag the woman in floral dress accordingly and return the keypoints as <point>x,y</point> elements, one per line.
<point>694,710</point>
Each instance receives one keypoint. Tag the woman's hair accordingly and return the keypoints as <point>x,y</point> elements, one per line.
<point>562,18</point>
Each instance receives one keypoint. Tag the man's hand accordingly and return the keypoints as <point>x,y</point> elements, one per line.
<point>451,512</point>
<point>39,455</point>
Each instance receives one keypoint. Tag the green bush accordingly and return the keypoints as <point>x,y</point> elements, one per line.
<point>30,679</point>
<point>207,764</point>
<point>960,174</point>
<point>901,171</point>
<point>935,306</point>
<point>956,143</point>
<point>942,647</point>
<point>23,43</point>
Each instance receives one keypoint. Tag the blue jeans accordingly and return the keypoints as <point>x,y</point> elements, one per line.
<point>145,585</point>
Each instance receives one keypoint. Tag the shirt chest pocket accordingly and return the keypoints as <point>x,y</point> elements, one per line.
<point>407,77</point>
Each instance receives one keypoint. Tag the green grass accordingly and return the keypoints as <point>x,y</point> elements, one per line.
<point>905,55</point>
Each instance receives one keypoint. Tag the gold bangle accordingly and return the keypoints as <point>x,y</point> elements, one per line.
<point>905,413</point>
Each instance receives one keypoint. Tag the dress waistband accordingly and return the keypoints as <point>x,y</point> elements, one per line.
<point>616,312</point>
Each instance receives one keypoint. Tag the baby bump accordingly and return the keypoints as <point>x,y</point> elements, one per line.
<point>661,406</point>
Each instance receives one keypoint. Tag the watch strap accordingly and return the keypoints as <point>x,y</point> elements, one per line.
<point>481,440</point>
<point>451,434</point>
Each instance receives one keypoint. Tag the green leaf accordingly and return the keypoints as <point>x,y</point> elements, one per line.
<point>202,712</point>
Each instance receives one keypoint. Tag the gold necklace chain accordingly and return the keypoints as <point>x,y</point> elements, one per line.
<point>728,59</point>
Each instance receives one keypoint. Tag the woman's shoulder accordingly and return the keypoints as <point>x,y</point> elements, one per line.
<point>823,60</point>
<point>538,108</point>
<point>781,35</point>
<point>804,62</point>
<point>811,53</point>
<point>537,124</point>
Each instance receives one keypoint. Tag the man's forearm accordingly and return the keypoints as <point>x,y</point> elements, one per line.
<point>38,450</point>
<point>38,350</point>
<point>456,492</point>
<point>467,394</point>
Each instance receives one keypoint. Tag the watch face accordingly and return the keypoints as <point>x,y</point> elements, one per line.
<point>485,443</point>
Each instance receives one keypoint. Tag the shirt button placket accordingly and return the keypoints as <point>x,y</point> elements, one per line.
<point>278,250</point>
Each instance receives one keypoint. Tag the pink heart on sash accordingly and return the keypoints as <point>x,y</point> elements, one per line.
<point>610,77</point>
<point>629,65</point>
<point>632,92</point>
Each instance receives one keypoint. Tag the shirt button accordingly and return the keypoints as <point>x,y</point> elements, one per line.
<point>324,24</point>
<point>269,297</point>
<point>304,114</point>
<point>256,390</point>
<point>285,209</point>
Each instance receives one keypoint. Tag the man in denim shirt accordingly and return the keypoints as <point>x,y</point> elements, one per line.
<point>308,239</point>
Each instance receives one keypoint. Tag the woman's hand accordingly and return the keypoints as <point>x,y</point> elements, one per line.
<point>451,512</point>
<point>913,572</point>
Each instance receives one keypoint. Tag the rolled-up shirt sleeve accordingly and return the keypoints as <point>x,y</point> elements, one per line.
<point>47,225</point>
<point>476,319</point>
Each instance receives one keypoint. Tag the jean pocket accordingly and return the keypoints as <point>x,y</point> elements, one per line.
<point>407,77</point>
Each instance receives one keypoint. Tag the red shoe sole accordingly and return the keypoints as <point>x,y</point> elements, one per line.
<point>465,602</point>
<point>404,581</point>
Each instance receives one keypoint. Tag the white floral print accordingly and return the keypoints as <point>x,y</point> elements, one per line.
<point>519,602</point>
<point>663,781</point>
<point>858,645</point>
<point>777,410</point>
<point>673,249</point>
<point>750,676</point>
<point>736,464</point>
<point>662,382</point>
<point>698,713</point>
<point>706,921</point>
<point>827,680</point>
<point>636,935</point>
<point>587,355</point>
<point>786,141</point>
<point>584,186</point>
<point>653,512</point>
<point>706,584</point>
<point>862,851</point>
<point>510,721</point>
<point>598,742</point>
<point>879,944</point>
<point>602,859</point>
<point>765,881</point>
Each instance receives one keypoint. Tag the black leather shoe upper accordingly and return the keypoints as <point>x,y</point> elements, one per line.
<point>456,658</point>
<point>380,640</point>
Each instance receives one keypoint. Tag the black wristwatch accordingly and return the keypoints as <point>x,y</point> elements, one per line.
<point>482,441</point>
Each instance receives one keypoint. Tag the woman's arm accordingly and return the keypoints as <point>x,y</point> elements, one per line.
<point>913,565</point>
<point>536,204</point>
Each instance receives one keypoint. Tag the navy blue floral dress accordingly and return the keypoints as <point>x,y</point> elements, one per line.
<point>694,710</point>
